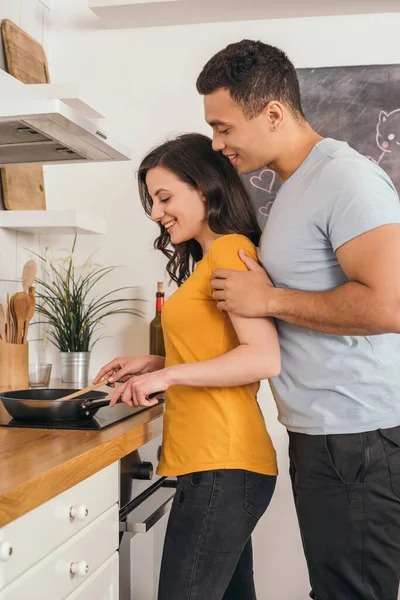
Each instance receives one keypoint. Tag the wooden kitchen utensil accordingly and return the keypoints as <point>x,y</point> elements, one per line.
<point>9,332</point>
<point>90,388</point>
<point>28,275</point>
<point>20,305</point>
<point>94,386</point>
<point>32,300</point>
<point>13,366</point>
<point>2,324</point>
<point>23,185</point>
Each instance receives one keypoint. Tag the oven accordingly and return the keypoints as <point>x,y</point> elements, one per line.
<point>145,501</point>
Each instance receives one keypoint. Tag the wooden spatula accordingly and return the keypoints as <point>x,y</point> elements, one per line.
<point>20,306</point>
<point>94,386</point>
<point>28,274</point>
<point>90,388</point>
<point>32,301</point>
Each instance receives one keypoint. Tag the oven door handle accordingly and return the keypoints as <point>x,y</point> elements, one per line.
<point>149,512</point>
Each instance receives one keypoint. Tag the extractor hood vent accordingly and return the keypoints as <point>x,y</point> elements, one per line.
<point>50,132</point>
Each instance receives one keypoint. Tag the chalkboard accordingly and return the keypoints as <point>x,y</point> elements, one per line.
<point>359,105</point>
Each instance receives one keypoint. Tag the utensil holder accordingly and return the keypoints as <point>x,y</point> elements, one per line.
<point>13,366</point>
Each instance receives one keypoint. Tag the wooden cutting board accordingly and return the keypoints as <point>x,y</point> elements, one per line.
<point>23,185</point>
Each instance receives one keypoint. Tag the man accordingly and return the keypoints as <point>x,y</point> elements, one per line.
<point>331,248</point>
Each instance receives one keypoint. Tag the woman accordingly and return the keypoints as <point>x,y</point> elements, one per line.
<point>215,440</point>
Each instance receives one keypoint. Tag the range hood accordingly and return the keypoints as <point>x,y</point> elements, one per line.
<point>48,131</point>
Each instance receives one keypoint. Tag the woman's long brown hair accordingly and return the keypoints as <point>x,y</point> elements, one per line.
<point>229,208</point>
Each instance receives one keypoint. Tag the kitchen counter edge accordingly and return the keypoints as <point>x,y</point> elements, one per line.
<point>38,464</point>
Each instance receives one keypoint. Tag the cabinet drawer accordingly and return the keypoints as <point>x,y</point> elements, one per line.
<point>50,525</point>
<point>58,575</point>
<point>102,585</point>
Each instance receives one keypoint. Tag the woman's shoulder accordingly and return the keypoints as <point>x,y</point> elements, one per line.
<point>233,241</point>
<point>224,251</point>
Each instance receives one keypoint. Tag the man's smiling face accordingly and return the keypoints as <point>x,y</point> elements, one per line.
<point>248,143</point>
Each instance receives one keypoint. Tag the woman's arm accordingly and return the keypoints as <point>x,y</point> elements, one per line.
<point>257,357</point>
<point>122,368</point>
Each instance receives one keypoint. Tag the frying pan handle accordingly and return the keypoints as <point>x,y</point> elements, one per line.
<point>153,395</point>
<point>89,406</point>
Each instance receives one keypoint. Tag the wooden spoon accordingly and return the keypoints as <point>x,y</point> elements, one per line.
<point>28,274</point>
<point>32,301</point>
<point>2,324</point>
<point>94,386</point>
<point>8,318</point>
<point>20,305</point>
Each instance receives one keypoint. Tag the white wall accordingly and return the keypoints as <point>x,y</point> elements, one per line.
<point>34,17</point>
<point>145,80</point>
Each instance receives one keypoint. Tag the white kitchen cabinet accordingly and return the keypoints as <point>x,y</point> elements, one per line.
<point>65,546</point>
<point>56,521</point>
<point>102,584</point>
<point>64,570</point>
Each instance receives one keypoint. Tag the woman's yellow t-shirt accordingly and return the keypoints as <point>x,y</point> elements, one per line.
<point>207,428</point>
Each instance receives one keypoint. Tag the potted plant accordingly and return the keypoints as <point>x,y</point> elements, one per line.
<point>72,312</point>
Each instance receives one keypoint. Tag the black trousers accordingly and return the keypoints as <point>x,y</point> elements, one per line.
<point>347,495</point>
<point>207,550</point>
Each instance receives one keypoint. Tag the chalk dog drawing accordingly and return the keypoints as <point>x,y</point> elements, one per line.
<point>265,182</point>
<point>387,134</point>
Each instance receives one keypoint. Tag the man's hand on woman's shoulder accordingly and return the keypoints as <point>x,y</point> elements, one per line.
<point>245,293</point>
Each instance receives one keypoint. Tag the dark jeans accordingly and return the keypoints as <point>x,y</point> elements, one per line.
<point>207,551</point>
<point>347,496</point>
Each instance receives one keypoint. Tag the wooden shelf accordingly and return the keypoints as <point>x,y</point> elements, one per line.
<point>128,14</point>
<point>52,221</point>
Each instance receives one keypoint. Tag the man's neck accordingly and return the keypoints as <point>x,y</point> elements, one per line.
<point>301,141</point>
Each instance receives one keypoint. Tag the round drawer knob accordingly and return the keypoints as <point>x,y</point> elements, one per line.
<point>5,551</point>
<point>79,512</point>
<point>79,568</point>
<point>143,470</point>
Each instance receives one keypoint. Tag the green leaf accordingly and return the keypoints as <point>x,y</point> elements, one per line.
<point>65,300</point>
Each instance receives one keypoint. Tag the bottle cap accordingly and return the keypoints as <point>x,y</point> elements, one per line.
<point>160,287</point>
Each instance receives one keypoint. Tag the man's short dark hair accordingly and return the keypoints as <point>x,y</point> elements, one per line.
<point>254,73</point>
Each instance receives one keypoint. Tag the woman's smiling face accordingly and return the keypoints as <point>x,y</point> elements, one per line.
<point>181,209</point>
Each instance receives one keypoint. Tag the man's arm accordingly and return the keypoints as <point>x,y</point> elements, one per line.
<point>368,304</point>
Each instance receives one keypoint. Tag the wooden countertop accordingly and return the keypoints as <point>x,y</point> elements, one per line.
<point>38,464</point>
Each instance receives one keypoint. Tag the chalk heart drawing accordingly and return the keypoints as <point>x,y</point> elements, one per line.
<point>264,181</point>
<point>265,210</point>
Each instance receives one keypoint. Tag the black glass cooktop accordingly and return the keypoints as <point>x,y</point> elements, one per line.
<point>105,417</point>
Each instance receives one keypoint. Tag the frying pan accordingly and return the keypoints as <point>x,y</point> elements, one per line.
<point>48,405</point>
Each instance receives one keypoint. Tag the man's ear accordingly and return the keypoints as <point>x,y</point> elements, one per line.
<point>274,111</point>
